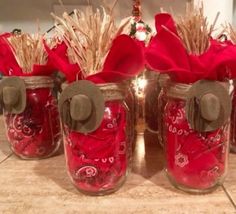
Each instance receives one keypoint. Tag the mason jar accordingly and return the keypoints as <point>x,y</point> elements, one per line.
<point>233,121</point>
<point>131,103</point>
<point>97,147</point>
<point>197,128</point>
<point>31,116</point>
<point>163,82</point>
<point>152,91</point>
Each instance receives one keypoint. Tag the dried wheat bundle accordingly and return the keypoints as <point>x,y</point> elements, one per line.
<point>231,31</point>
<point>29,50</point>
<point>194,29</point>
<point>89,36</point>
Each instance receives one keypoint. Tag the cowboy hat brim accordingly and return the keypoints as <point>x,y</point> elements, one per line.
<point>193,108</point>
<point>94,94</point>
<point>17,97</point>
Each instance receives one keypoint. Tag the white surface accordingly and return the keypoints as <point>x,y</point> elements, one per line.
<point>234,12</point>
<point>211,7</point>
<point>24,13</point>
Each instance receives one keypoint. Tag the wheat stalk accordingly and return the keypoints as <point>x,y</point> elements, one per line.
<point>29,50</point>
<point>231,31</point>
<point>89,36</point>
<point>194,29</point>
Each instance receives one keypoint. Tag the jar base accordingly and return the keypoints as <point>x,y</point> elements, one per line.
<point>23,157</point>
<point>190,189</point>
<point>102,192</point>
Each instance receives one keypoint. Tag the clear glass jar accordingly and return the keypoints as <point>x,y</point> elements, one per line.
<point>151,102</point>
<point>98,162</point>
<point>233,121</point>
<point>161,103</point>
<point>196,162</point>
<point>138,86</point>
<point>35,133</point>
<point>130,101</point>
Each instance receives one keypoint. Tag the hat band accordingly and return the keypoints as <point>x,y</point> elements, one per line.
<point>180,90</point>
<point>113,91</point>
<point>38,82</point>
<point>163,80</point>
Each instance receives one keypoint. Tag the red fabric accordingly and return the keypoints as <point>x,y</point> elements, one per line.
<point>2,66</point>
<point>166,53</point>
<point>35,133</point>
<point>124,61</point>
<point>99,161</point>
<point>194,160</point>
<point>10,67</point>
<point>58,58</point>
<point>7,58</point>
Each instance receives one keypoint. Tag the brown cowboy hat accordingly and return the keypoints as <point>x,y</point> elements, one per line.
<point>82,106</point>
<point>13,94</point>
<point>208,105</point>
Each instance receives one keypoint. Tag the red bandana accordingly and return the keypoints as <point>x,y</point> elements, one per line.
<point>124,61</point>
<point>166,53</point>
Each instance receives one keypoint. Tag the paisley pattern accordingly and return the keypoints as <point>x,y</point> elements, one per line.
<point>86,172</point>
<point>99,160</point>
<point>35,133</point>
<point>194,160</point>
<point>181,160</point>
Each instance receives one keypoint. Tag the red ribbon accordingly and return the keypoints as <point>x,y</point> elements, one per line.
<point>10,67</point>
<point>35,133</point>
<point>105,151</point>
<point>166,53</point>
<point>125,60</point>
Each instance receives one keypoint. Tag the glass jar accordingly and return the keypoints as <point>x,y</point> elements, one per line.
<point>138,86</point>
<point>130,101</point>
<point>161,103</point>
<point>233,121</point>
<point>151,102</point>
<point>98,162</point>
<point>35,133</point>
<point>196,161</point>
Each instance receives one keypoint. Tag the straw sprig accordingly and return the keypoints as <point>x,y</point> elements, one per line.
<point>89,36</point>
<point>194,29</point>
<point>29,50</point>
<point>231,31</point>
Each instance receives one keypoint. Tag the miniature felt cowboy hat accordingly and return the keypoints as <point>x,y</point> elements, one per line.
<point>13,94</point>
<point>208,105</point>
<point>82,106</point>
